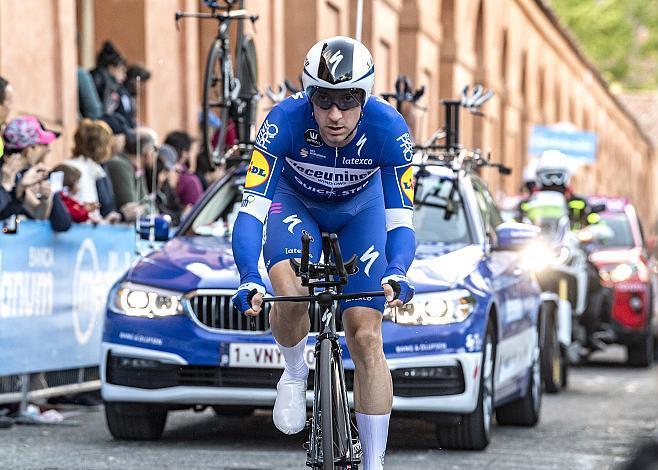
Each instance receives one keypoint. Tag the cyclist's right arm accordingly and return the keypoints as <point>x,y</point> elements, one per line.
<point>266,164</point>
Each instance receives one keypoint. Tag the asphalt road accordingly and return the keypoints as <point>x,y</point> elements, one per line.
<point>607,410</point>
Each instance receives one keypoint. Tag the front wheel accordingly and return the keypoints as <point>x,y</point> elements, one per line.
<point>553,361</point>
<point>326,408</point>
<point>135,421</point>
<point>640,354</point>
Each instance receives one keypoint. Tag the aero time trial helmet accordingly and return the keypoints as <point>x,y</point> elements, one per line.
<point>339,63</point>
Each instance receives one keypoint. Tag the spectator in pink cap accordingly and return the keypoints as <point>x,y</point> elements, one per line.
<point>25,177</point>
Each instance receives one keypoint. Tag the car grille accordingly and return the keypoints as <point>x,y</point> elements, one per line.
<point>151,374</point>
<point>216,311</point>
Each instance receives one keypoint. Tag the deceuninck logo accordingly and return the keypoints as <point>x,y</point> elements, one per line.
<point>258,171</point>
<point>407,184</point>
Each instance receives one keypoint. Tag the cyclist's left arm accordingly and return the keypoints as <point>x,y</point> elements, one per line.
<point>398,186</point>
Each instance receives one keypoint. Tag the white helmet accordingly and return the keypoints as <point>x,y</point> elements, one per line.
<point>553,169</point>
<point>339,63</point>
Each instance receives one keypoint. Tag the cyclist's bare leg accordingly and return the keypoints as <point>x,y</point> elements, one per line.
<point>290,325</point>
<point>373,387</point>
<point>289,320</point>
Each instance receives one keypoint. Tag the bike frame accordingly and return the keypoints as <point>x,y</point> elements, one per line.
<point>331,277</point>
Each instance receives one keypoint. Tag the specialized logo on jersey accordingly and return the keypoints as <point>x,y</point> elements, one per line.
<point>369,257</point>
<point>312,136</point>
<point>292,220</point>
<point>303,153</point>
<point>360,143</point>
<point>258,172</point>
<point>407,146</point>
<point>406,182</point>
<point>266,133</point>
<point>331,177</point>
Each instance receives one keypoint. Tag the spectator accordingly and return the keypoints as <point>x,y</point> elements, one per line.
<point>79,212</point>
<point>189,187</point>
<point>92,148</point>
<point>89,103</point>
<point>120,129</point>
<point>126,169</point>
<point>6,102</point>
<point>128,92</point>
<point>168,173</point>
<point>109,75</point>
<point>26,143</point>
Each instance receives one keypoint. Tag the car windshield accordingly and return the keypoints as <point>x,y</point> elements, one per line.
<point>217,216</point>
<point>439,215</point>
<point>622,236</point>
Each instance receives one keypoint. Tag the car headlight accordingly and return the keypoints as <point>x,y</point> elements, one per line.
<point>439,308</point>
<point>619,273</point>
<point>144,301</point>
<point>540,256</point>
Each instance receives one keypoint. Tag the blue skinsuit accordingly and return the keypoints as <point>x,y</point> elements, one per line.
<point>363,192</point>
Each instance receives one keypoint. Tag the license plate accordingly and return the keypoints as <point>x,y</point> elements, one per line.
<point>263,356</point>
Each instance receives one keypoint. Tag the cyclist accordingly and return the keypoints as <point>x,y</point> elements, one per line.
<point>331,158</point>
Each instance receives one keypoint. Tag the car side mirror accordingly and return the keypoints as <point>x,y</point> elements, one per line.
<point>154,227</point>
<point>514,236</point>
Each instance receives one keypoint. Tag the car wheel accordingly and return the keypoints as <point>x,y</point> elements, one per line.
<point>135,421</point>
<point>473,430</point>
<point>525,410</point>
<point>640,354</point>
<point>564,382</point>
<point>230,410</point>
<point>552,359</point>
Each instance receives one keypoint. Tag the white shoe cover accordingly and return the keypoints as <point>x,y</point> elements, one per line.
<point>289,412</point>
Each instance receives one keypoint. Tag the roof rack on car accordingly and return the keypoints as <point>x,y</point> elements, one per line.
<point>444,148</point>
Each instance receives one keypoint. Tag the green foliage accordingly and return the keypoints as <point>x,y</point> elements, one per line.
<point>619,36</point>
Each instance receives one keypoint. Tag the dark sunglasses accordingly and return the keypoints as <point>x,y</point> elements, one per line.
<point>343,99</point>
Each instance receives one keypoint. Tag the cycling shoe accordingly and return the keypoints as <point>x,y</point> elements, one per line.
<point>289,412</point>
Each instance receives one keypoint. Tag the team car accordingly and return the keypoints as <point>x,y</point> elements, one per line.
<point>465,348</point>
<point>616,246</point>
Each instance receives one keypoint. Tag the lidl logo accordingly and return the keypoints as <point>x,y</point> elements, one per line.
<point>407,184</point>
<point>258,171</point>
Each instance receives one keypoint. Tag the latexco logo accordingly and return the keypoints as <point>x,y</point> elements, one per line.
<point>258,171</point>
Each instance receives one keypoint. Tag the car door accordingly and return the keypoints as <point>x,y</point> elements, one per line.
<point>515,300</point>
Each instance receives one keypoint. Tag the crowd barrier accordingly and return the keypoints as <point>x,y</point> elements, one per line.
<point>53,289</point>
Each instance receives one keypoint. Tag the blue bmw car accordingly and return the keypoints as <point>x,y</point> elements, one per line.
<point>464,350</point>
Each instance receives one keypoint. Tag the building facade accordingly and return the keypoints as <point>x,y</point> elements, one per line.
<point>515,47</point>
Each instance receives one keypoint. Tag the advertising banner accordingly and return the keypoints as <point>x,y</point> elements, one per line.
<point>53,289</point>
<point>579,145</point>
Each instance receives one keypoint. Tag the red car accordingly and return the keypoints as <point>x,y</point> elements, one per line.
<point>626,268</point>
